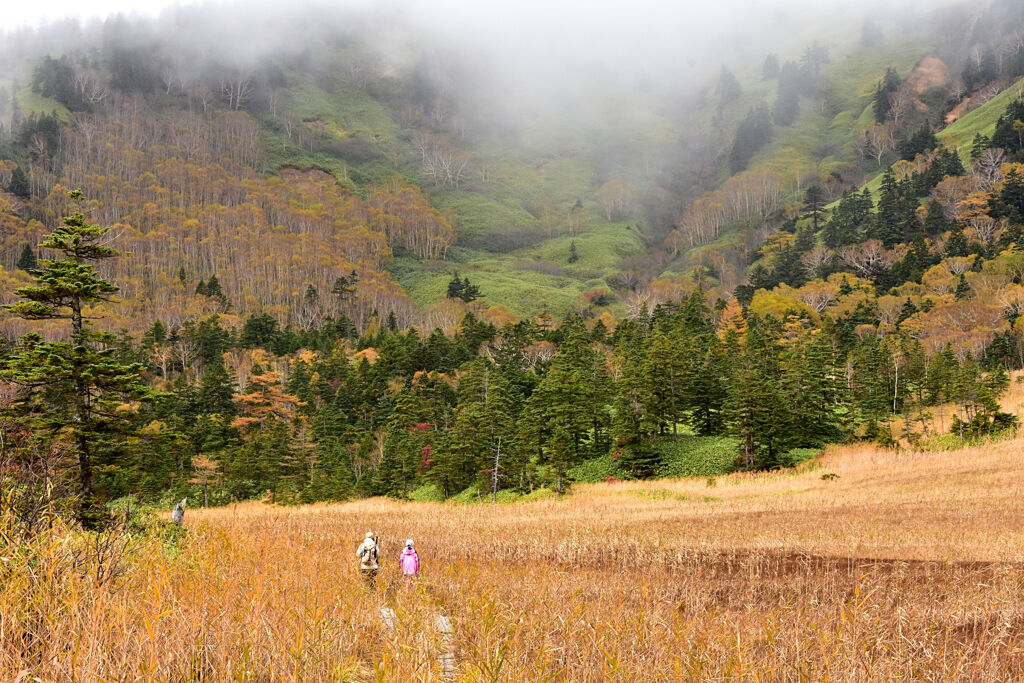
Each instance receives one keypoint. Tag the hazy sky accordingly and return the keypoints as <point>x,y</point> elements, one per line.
<point>654,16</point>
<point>19,13</point>
<point>658,39</point>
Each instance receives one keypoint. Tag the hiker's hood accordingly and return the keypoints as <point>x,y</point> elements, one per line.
<point>408,551</point>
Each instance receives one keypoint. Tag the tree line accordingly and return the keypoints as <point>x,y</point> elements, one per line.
<point>330,412</point>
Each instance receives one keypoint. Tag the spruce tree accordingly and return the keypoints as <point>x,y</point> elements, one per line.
<point>27,261</point>
<point>881,105</point>
<point>566,418</point>
<point>18,185</point>
<point>631,399</point>
<point>454,287</point>
<point>956,244</point>
<point>213,287</point>
<point>407,446</point>
<point>482,435</point>
<point>814,383</point>
<point>1010,201</point>
<point>705,382</point>
<point>74,388</point>
<point>963,289</point>
<point>216,391</point>
<point>728,88</point>
<point>756,409</point>
<point>889,221</point>
<point>665,375</point>
<point>754,132</point>
<point>849,219</point>
<point>345,286</point>
<point>814,200</point>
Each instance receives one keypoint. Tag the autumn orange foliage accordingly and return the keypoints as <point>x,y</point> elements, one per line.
<point>183,192</point>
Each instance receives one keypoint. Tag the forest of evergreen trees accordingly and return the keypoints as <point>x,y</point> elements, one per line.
<point>327,413</point>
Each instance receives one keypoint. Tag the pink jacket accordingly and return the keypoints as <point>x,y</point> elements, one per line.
<point>409,561</point>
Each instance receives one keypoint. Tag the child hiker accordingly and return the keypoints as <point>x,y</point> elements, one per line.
<point>409,563</point>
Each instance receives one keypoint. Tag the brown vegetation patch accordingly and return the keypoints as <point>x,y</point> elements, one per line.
<point>958,111</point>
<point>905,566</point>
<point>930,72</point>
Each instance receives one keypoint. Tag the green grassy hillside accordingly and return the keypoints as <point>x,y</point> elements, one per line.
<point>961,132</point>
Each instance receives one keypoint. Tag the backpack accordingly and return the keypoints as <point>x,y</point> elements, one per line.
<point>368,554</point>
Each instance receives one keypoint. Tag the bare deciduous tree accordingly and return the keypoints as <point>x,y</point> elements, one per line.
<point>988,167</point>
<point>876,141</point>
<point>865,257</point>
<point>817,257</point>
<point>236,88</point>
<point>90,86</point>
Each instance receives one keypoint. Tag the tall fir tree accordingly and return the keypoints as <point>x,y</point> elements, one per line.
<point>77,387</point>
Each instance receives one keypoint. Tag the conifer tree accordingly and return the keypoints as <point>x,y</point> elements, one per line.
<point>664,377</point>
<point>27,261</point>
<point>705,375</point>
<point>345,285</point>
<point>18,185</point>
<point>811,380</point>
<point>956,243</point>
<point>889,221</point>
<point>963,289</point>
<point>408,445</point>
<point>814,201</point>
<point>889,84</point>
<point>482,434</point>
<point>756,409</point>
<point>216,391</point>
<point>728,87</point>
<point>74,387</point>
<point>566,417</point>
<point>631,398</point>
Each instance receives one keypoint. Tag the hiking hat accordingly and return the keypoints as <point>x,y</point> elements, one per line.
<point>369,534</point>
<point>408,544</point>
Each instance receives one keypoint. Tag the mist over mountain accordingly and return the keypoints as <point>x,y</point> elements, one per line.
<point>492,98</point>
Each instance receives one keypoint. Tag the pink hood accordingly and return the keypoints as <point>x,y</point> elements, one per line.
<point>409,562</point>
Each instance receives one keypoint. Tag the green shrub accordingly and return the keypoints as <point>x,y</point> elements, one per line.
<point>697,456</point>
<point>795,456</point>
<point>597,470</point>
<point>428,493</point>
<point>469,495</point>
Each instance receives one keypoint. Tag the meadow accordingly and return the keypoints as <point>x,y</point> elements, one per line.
<point>864,564</point>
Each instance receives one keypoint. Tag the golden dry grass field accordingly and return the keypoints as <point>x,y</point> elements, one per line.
<point>902,566</point>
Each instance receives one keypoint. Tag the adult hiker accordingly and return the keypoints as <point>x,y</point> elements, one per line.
<point>409,563</point>
<point>367,553</point>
